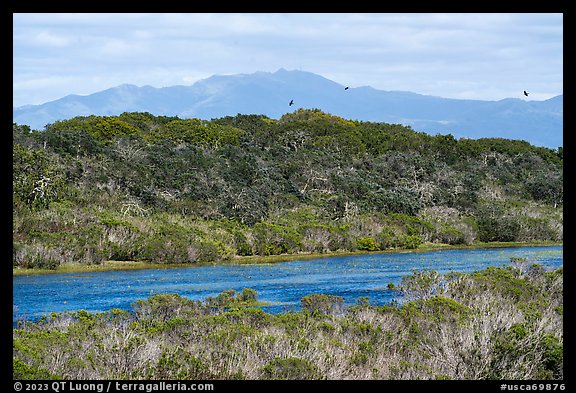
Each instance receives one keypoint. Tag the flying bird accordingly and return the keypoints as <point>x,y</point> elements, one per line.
<point>526,94</point>
<point>291,103</point>
<point>346,88</point>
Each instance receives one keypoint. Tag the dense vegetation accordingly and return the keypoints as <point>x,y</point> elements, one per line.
<point>498,323</point>
<point>169,190</point>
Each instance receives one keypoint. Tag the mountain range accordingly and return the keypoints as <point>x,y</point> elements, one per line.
<point>265,93</point>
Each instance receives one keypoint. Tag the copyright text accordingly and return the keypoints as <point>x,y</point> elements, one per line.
<point>111,386</point>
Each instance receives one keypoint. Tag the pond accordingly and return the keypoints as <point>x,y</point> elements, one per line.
<point>281,284</point>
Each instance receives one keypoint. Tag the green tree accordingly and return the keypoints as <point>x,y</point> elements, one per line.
<point>36,179</point>
<point>367,243</point>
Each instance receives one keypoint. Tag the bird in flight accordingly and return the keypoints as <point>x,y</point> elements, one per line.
<point>526,94</point>
<point>291,103</point>
<point>346,88</point>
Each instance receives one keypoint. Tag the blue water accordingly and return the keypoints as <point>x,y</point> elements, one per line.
<point>281,284</point>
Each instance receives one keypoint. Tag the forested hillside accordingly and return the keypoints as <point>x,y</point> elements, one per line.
<point>170,190</point>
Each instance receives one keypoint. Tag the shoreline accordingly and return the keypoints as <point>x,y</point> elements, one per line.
<point>257,259</point>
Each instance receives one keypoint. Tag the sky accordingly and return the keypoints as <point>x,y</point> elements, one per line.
<point>487,56</point>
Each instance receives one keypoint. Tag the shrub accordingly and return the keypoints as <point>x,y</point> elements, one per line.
<point>243,248</point>
<point>388,238</point>
<point>496,323</point>
<point>443,309</point>
<point>421,284</point>
<point>37,178</point>
<point>230,298</point>
<point>412,241</point>
<point>367,243</point>
<point>163,306</point>
<point>290,368</point>
<point>180,364</point>
<point>449,234</point>
<point>23,371</point>
<point>272,239</point>
<point>321,303</point>
<point>553,358</point>
<point>248,295</point>
<point>498,229</point>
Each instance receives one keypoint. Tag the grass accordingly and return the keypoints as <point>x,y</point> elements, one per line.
<point>256,259</point>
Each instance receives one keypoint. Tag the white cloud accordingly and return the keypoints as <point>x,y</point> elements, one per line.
<point>51,39</point>
<point>481,56</point>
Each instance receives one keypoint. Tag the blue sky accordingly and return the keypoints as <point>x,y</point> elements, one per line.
<point>489,56</point>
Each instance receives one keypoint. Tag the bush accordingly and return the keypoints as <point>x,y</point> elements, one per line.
<point>243,248</point>
<point>411,241</point>
<point>321,303</point>
<point>367,244</point>
<point>496,225</point>
<point>162,306</point>
<point>22,371</point>
<point>290,368</point>
<point>272,239</point>
<point>388,238</point>
<point>553,358</point>
<point>495,323</point>
<point>450,235</point>
<point>35,257</point>
<point>248,295</point>
<point>37,179</point>
<point>180,364</point>
<point>422,284</point>
<point>230,298</point>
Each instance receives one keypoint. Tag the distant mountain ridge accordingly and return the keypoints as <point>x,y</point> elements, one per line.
<point>265,93</point>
